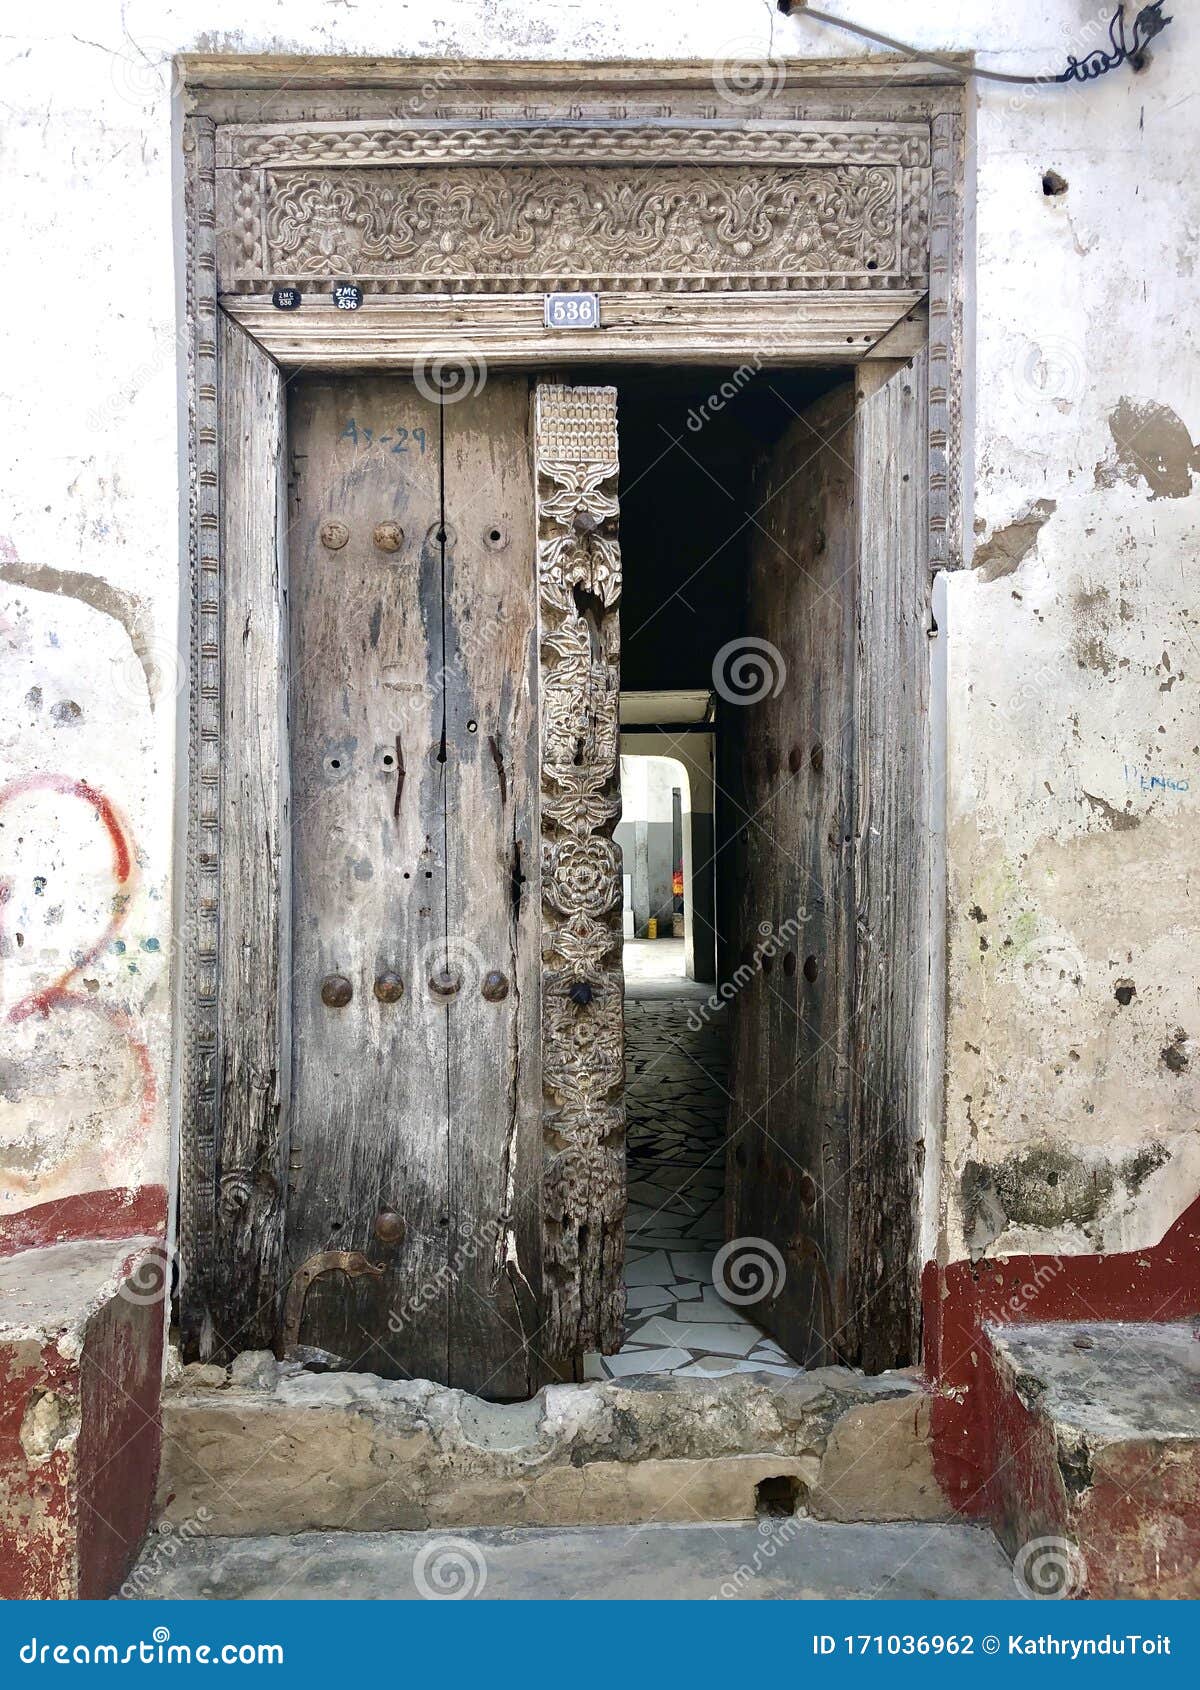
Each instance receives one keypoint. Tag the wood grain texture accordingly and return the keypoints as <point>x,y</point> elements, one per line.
<point>508,329</point>
<point>889,1028</point>
<point>492,887</point>
<point>370,1113</point>
<point>253,1033</point>
<point>790,1162</point>
<point>415,751</point>
<point>830,1023</point>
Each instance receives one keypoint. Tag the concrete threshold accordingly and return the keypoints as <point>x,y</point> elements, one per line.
<point>273,1450</point>
<point>789,1559</point>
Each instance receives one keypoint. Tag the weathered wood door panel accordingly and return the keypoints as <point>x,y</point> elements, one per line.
<point>829,1030</point>
<point>893,964</point>
<point>415,1142</point>
<point>369,1129</point>
<point>491,771</point>
<point>789,1186</point>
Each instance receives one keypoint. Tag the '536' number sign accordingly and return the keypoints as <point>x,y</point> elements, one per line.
<point>572,310</point>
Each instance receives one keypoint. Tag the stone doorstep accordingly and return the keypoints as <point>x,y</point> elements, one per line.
<point>1110,1451</point>
<point>274,1451</point>
<point>81,1336</point>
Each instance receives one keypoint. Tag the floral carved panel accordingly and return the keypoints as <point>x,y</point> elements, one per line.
<point>583,1063</point>
<point>502,211</point>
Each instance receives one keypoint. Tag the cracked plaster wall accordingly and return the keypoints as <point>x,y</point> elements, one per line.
<point>1071,649</point>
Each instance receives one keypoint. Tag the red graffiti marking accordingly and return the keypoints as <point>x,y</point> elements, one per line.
<point>58,995</point>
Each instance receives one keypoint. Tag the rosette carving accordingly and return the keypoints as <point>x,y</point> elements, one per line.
<point>583,1059</point>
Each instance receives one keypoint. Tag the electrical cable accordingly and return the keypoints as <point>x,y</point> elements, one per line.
<point>1148,23</point>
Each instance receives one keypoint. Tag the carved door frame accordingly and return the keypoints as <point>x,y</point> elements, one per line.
<point>819,224</point>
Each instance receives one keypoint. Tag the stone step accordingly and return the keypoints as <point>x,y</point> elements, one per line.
<point>275,1450</point>
<point>1098,1456</point>
<point>791,1559</point>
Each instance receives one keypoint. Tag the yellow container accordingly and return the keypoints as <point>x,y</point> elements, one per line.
<point>652,927</point>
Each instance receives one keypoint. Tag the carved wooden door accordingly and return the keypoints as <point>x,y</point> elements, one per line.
<point>825,776</point>
<point>435,1225</point>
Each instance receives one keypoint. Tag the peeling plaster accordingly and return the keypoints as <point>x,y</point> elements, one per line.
<point>1007,547</point>
<point>1153,445</point>
<point>49,1422</point>
<point>123,607</point>
<point>1048,1187</point>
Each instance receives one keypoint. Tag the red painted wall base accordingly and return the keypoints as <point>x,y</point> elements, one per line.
<point>997,1462</point>
<point>123,1212</point>
<point>81,1355</point>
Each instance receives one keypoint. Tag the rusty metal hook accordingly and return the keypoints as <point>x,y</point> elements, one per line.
<point>350,1262</point>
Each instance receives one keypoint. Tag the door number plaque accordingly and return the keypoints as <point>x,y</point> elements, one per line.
<point>572,310</point>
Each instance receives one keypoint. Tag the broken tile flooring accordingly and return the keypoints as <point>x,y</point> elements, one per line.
<point>676,1061</point>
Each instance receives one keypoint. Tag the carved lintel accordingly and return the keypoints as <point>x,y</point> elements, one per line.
<point>429,209</point>
<point>678,141</point>
<point>583,1063</point>
<point>519,228</point>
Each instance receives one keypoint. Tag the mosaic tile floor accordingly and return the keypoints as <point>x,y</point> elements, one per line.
<point>676,1321</point>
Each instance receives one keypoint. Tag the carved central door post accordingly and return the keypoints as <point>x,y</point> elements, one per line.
<point>583,1060</point>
